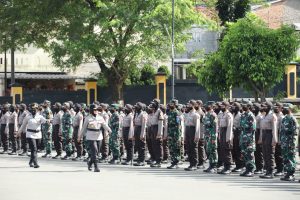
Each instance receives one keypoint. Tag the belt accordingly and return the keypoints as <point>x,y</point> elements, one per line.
<point>266,129</point>
<point>95,130</point>
<point>190,126</point>
<point>33,131</point>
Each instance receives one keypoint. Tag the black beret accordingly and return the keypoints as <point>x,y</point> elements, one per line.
<point>93,107</point>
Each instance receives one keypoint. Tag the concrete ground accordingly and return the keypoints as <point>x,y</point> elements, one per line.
<point>64,180</point>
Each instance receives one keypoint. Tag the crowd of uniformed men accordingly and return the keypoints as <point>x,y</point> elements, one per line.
<point>256,138</point>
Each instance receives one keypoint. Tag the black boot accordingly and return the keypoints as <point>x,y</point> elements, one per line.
<point>89,163</point>
<point>36,164</point>
<point>96,167</point>
<point>237,169</point>
<point>211,169</point>
<point>190,168</point>
<point>268,175</point>
<point>247,174</point>
<point>288,177</point>
<point>279,173</point>
<point>258,171</point>
<point>225,171</point>
<point>30,163</point>
<point>173,166</point>
<point>58,156</point>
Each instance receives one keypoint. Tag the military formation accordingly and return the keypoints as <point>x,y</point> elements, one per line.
<point>233,137</point>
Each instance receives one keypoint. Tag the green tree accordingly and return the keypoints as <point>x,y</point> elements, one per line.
<point>232,10</point>
<point>251,56</point>
<point>147,75</point>
<point>115,33</point>
<point>211,73</point>
<point>193,69</point>
<point>164,69</point>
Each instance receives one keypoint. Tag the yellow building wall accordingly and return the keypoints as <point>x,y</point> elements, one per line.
<point>161,79</point>
<point>288,70</point>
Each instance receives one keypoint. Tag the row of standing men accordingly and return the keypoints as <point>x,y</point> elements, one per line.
<point>253,136</point>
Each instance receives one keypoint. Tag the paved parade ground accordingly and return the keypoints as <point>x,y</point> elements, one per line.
<point>64,180</point>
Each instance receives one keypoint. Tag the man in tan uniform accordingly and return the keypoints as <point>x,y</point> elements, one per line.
<point>226,137</point>
<point>192,135</point>
<point>268,139</point>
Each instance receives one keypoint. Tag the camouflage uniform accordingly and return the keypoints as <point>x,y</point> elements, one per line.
<point>210,122</point>
<point>67,132</point>
<point>289,130</point>
<point>47,130</point>
<point>114,142</point>
<point>247,140</point>
<point>174,135</point>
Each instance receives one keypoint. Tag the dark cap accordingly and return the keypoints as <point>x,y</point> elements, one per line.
<point>93,107</point>
<point>34,106</point>
<point>47,102</point>
<point>155,101</point>
<point>128,107</point>
<point>23,105</point>
<point>225,103</point>
<point>278,104</point>
<point>193,102</point>
<point>269,104</point>
<point>139,104</point>
<point>237,104</point>
<point>200,102</point>
<point>67,105</point>
<point>57,104</point>
<point>103,105</point>
<point>77,105</point>
<point>257,105</point>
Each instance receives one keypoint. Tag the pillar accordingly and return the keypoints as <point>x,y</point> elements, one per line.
<point>91,89</point>
<point>161,87</point>
<point>16,93</point>
<point>291,73</point>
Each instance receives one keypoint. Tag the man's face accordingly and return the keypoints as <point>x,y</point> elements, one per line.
<point>95,112</point>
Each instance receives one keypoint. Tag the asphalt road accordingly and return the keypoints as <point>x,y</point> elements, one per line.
<point>64,180</point>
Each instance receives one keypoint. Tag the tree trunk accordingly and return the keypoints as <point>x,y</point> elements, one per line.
<point>115,77</point>
<point>256,96</point>
<point>263,96</point>
<point>116,86</point>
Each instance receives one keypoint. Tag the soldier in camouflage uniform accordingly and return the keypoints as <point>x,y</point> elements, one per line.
<point>67,130</point>
<point>210,122</point>
<point>289,131</point>
<point>174,133</point>
<point>114,139</point>
<point>247,140</point>
<point>47,129</point>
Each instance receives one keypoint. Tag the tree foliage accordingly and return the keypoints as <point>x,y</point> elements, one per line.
<point>147,75</point>
<point>232,10</point>
<point>117,34</point>
<point>251,56</point>
<point>212,75</point>
<point>164,69</point>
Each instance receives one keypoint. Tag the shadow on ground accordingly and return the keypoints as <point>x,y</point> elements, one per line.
<point>231,180</point>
